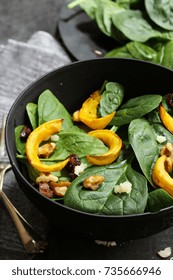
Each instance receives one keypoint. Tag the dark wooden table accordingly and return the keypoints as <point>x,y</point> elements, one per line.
<point>18,20</point>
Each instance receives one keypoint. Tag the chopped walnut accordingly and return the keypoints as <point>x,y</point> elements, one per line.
<point>46,177</point>
<point>60,184</point>
<point>93,182</point>
<point>60,188</point>
<point>168,164</point>
<point>168,151</point>
<point>60,191</point>
<point>45,190</point>
<point>46,150</point>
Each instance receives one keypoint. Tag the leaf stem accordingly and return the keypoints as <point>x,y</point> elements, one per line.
<point>103,86</point>
<point>74,3</point>
<point>114,128</point>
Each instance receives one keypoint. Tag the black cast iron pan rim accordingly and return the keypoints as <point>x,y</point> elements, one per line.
<point>17,170</point>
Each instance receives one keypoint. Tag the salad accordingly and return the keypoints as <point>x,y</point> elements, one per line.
<point>110,157</point>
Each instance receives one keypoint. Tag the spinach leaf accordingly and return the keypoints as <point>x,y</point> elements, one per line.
<point>160,12</point>
<point>134,26</point>
<point>141,51</point>
<point>108,9</point>
<point>154,117</point>
<point>160,53</point>
<point>89,6</point>
<point>124,3</point>
<point>78,143</point>
<point>20,145</point>
<point>167,59</point>
<point>31,109</point>
<point>119,52</point>
<point>145,146</point>
<point>100,11</point>
<point>159,47</point>
<point>160,130</point>
<point>164,53</point>
<point>50,108</point>
<point>28,170</point>
<point>111,98</point>
<point>129,3</point>
<point>143,139</point>
<point>157,200</point>
<point>105,200</point>
<point>103,18</point>
<point>136,108</point>
<point>135,50</point>
<point>128,204</point>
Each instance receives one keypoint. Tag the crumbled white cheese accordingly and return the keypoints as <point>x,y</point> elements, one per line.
<point>106,243</point>
<point>80,168</point>
<point>124,187</point>
<point>160,138</point>
<point>54,137</point>
<point>165,253</point>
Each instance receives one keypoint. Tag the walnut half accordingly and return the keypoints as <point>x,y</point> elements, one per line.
<point>93,182</point>
<point>167,150</point>
<point>60,188</point>
<point>46,150</point>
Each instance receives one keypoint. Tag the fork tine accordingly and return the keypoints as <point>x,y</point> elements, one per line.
<point>2,138</point>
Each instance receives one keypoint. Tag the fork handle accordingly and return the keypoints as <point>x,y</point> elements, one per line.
<point>28,242</point>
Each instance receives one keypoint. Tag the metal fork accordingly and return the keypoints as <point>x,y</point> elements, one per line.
<point>31,240</point>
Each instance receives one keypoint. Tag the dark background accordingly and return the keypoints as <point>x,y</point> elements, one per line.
<point>19,19</point>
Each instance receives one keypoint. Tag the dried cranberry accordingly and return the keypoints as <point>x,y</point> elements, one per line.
<point>25,133</point>
<point>170,99</point>
<point>74,161</point>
